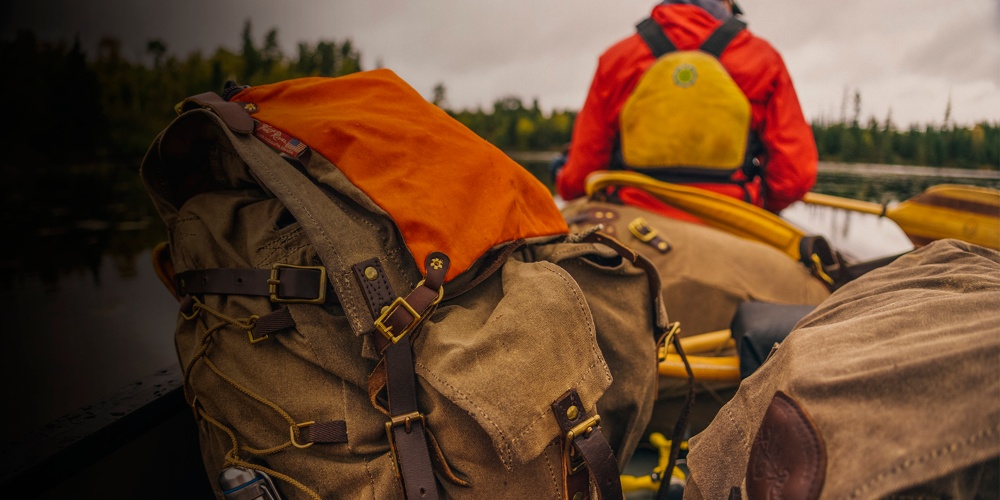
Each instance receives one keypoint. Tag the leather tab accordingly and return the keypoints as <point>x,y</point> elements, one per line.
<point>235,117</point>
<point>375,285</point>
<point>646,234</point>
<point>601,215</point>
<point>587,450</point>
<point>788,457</point>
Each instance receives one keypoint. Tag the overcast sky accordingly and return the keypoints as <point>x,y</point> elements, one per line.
<point>909,56</point>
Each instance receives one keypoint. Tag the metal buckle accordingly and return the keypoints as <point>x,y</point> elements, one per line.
<point>584,428</point>
<point>273,282</point>
<point>398,420</point>
<point>386,330</point>
<point>291,431</point>
<point>637,226</point>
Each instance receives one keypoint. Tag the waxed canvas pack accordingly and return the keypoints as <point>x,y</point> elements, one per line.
<point>888,389</point>
<point>528,314</point>
<point>705,274</point>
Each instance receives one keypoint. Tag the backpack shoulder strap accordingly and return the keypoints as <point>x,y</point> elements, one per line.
<point>720,38</point>
<point>652,33</point>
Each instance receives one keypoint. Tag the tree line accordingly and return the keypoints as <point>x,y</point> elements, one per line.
<point>71,106</point>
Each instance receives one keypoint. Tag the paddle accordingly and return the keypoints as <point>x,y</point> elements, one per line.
<point>716,210</point>
<point>966,213</point>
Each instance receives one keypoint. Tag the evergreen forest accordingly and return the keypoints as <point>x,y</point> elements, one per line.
<point>69,105</point>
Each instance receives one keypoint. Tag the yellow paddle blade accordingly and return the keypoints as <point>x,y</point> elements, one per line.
<point>966,213</point>
<point>722,212</point>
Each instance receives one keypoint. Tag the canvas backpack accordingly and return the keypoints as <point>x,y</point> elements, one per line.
<point>888,389</point>
<point>706,275</point>
<point>376,303</point>
<point>686,120</point>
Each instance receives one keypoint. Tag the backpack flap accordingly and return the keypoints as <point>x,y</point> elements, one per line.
<point>387,144</point>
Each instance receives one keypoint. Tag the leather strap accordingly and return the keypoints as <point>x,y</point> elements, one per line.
<point>396,323</point>
<point>233,114</point>
<point>646,234</point>
<point>599,215</point>
<point>585,448</point>
<point>280,283</point>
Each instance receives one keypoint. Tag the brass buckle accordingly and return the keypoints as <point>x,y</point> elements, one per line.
<point>291,431</point>
<point>386,330</point>
<point>584,428</point>
<point>405,420</point>
<point>273,282</point>
<point>640,224</point>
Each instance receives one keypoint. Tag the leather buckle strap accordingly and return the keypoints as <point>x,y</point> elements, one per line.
<point>283,283</point>
<point>397,317</point>
<point>646,234</point>
<point>387,330</point>
<point>585,448</point>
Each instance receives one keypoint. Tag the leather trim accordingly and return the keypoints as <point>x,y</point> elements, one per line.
<point>588,449</point>
<point>788,457</point>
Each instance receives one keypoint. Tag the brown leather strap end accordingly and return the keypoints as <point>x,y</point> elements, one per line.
<point>585,448</point>
<point>236,118</point>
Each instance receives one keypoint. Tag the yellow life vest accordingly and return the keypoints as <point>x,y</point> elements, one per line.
<point>686,116</point>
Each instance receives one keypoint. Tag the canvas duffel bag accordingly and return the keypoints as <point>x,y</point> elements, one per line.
<point>888,389</point>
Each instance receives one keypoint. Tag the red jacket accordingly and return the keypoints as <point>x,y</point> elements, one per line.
<point>753,64</point>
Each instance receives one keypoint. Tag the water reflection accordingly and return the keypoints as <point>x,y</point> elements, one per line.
<point>90,316</point>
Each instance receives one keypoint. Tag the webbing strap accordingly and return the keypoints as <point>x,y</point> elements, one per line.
<point>652,33</point>
<point>659,44</point>
<point>720,38</point>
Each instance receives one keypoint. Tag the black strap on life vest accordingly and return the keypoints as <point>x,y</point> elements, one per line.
<point>658,42</point>
<point>720,38</point>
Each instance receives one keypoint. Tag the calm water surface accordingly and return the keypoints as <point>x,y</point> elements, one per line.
<point>90,316</point>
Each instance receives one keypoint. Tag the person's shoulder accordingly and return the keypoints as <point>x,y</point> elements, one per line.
<point>749,41</point>
<point>626,48</point>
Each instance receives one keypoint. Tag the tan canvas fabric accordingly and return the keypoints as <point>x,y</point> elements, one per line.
<point>898,373</point>
<point>557,315</point>
<point>706,273</point>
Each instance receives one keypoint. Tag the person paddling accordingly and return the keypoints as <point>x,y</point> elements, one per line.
<point>627,123</point>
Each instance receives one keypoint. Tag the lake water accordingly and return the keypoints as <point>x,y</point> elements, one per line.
<point>90,316</point>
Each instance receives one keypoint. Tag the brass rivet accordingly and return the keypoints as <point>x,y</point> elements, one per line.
<point>371,273</point>
<point>662,246</point>
<point>572,412</point>
<point>578,496</point>
<point>384,309</point>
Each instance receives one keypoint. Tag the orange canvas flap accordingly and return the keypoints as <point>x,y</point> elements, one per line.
<point>447,189</point>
